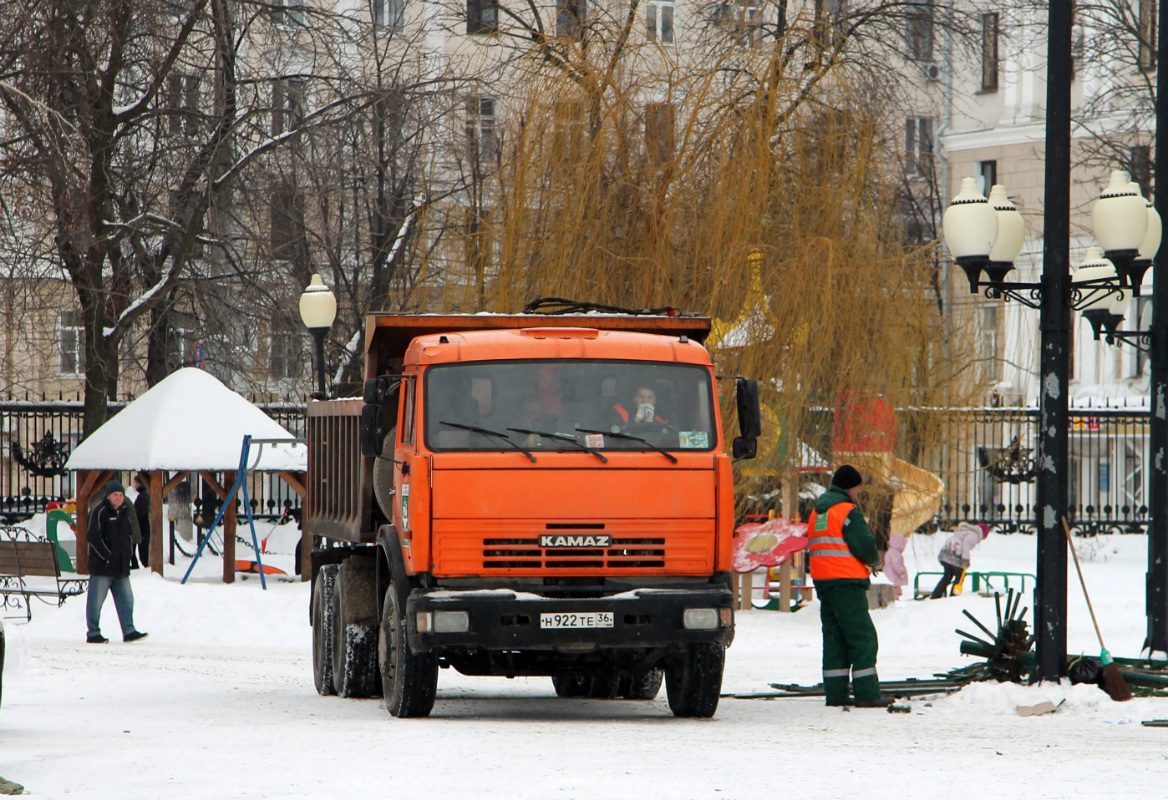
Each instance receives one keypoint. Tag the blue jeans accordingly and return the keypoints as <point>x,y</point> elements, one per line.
<point>99,585</point>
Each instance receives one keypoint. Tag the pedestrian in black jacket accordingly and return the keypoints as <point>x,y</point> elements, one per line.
<point>110,532</point>
<point>142,512</point>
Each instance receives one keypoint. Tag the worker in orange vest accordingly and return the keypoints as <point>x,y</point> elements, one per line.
<point>842,555</point>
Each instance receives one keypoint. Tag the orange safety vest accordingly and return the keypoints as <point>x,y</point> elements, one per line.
<point>624,415</point>
<point>830,557</point>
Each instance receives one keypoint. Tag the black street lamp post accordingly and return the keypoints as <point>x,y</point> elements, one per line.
<point>318,309</point>
<point>1157,581</point>
<point>1101,287</point>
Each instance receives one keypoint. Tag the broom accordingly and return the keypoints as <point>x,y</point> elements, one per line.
<point>1113,682</point>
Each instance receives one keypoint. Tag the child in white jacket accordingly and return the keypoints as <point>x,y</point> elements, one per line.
<point>954,556</point>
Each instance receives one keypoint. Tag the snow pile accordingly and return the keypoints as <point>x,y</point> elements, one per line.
<point>188,421</point>
<point>219,702</point>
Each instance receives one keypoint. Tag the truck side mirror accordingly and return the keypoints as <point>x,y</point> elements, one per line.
<point>744,447</point>
<point>372,429</point>
<point>749,413</point>
<point>375,390</point>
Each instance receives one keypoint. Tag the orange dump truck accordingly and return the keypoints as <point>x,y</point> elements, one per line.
<point>526,495</point>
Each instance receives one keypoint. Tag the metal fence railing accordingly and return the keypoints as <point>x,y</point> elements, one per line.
<point>984,456</point>
<point>36,438</point>
<point>986,459</point>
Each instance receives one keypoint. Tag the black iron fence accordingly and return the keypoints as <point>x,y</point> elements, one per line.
<point>984,456</point>
<point>36,438</point>
<point>987,460</point>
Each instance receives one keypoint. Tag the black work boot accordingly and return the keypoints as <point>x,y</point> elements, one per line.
<point>883,701</point>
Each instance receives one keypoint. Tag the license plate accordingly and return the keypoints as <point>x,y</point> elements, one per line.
<point>591,619</point>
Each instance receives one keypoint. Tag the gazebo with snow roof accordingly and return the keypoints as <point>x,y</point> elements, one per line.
<point>188,423</point>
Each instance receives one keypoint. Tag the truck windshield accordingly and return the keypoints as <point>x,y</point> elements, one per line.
<point>667,406</point>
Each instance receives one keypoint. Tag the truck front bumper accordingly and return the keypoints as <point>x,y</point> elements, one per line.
<point>501,619</point>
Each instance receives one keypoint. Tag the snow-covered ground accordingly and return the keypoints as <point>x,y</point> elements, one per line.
<point>218,702</point>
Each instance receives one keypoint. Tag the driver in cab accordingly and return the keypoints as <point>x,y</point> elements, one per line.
<point>643,411</point>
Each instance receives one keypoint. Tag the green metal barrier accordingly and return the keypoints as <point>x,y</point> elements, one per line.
<point>981,582</point>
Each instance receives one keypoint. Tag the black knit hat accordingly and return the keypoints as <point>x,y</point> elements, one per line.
<point>847,477</point>
<point>114,486</point>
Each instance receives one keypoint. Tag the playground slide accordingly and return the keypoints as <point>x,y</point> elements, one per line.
<point>917,492</point>
<point>918,496</point>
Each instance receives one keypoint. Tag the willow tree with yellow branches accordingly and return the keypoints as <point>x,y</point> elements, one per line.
<point>753,182</point>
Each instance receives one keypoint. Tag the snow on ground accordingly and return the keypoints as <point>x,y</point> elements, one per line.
<point>219,702</point>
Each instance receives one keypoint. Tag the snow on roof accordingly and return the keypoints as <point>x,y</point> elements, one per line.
<point>189,421</point>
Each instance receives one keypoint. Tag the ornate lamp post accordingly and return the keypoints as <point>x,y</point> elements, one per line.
<point>973,228</point>
<point>985,236</point>
<point>318,309</point>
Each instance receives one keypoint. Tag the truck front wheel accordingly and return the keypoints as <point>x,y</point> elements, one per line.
<point>322,629</point>
<point>409,681</point>
<point>693,680</point>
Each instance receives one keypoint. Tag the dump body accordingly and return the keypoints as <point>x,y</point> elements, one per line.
<point>530,512</point>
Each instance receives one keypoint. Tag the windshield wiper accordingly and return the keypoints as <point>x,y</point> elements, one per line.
<point>486,432</point>
<point>632,438</point>
<point>563,438</point>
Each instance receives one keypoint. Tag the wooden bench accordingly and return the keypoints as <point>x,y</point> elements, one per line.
<point>29,568</point>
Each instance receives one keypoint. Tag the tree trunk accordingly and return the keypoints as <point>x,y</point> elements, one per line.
<point>101,364</point>
<point>157,367</point>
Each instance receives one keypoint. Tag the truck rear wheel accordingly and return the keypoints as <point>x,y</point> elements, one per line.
<point>603,685</point>
<point>409,681</point>
<point>644,687</point>
<point>693,680</point>
<point>571,685</point>
<point>354,641</point>
<point>322,630</point>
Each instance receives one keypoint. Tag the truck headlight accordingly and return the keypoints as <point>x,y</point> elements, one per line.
<point>443,622</point>
<point>701,619</point>
<point>451,622</point>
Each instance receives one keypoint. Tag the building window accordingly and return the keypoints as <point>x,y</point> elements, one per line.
<point>918,146</point>
<point>659,21</point>
<point>831,24</point>
<point>284,354</point>
<point>482,16</point>
<point>477,241</point>
<point>744,20</point>
<point>568,134</point>
<point>1140,314</point>
<point>287,223</point>
<point>480,130</point>
<point>1140,167</point>
<point>70,343</point>
<point>987,176</point>
<point>389,14</point>
<point>1133,474</point>
<point>918,34</point>
<point>287,105</point>
<point>287,13</point>
<point>989,343</point>
<point>1147,34</point>
<point>659,141</point>
<point>179,339</point>
<point>989,52</point>
<point>182,103</point>
<point>570,18</point>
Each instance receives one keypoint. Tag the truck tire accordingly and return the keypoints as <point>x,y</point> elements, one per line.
<point>644,687</point>
<point>409,681</point>
<point>693,680</point>
<point>354,643</point>
<point>602,685</point>
<point>570,685</point>
<point>322,630</point>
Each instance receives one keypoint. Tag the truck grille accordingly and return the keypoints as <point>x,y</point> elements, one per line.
<point>526,553</point>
